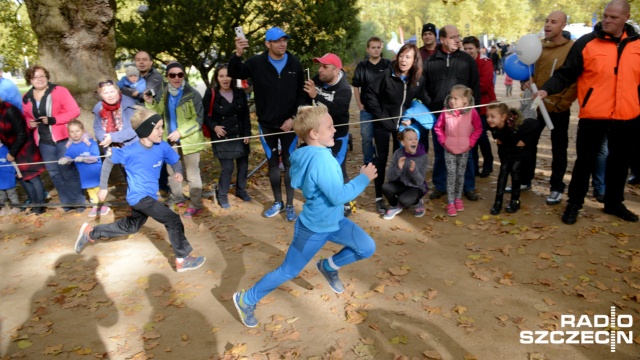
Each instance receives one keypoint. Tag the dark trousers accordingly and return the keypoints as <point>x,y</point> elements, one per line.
<point>397,192</point>
<point>621,136</point>
<point>381,139</point>
<point>224,183</point>
<point>510,165</point>
<point>485,148</point>
<point>34,189</point>
<point>559,145</point>
<point>145,208</point>
<point>65,178</point>
<point>274,161</point>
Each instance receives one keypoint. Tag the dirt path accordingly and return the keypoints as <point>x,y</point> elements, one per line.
<point>437,287</point>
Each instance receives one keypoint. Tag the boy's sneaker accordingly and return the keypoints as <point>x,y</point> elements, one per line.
<point>190,263</point>
<point>245,311</point>
<point>554,198</point>
<point>93,212</point>
<point>392,212</point>
<point>83,237</point>
<point>291,213</point>
<point>349,208</point>
<point>381,207</point>
<point>418,209</point>
<point>451,210</point>
<point>459,205</point>
<point>104,210</point>
<point>274,210</point>
<point>331,277</point>
<point>191,212</point>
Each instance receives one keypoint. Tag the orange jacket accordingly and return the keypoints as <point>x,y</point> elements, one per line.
<point>607,74</point>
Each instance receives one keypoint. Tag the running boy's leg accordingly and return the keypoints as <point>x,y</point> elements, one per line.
<point>357,244</point>
<point>171,221</point>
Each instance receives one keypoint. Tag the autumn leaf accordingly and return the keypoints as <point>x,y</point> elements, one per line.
<point>400,339</point>
<point>53,350</point>
<point>356,317</point>
<point>433,355</point>
<point>236,349</point>
<point>459,309</point>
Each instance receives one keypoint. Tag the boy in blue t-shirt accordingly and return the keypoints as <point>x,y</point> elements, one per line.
<point>317,173</point>
<point>142,162</point>
<point>7,183</point>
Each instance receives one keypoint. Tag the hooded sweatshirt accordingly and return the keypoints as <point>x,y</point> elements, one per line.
<point>317,173</point>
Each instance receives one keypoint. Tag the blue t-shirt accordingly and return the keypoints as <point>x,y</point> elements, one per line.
<point>7,173</point>
<point>279,64</point>
<point>142,165</point>
<point>89,173</point>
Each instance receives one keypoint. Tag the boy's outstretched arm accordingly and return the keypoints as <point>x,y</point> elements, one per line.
<point>107,165</point>
<point>338,192</point>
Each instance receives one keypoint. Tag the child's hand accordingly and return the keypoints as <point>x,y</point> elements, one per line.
<point>412,165</point>
<point>64,160</point>
<point>174,136</point>
<point>177,177</point>
<point>102,194</point>
<point>520,144</point>
<point>401,162</point>
<point>498,142</point>
<point>406,122</point>
<point>370,171</point>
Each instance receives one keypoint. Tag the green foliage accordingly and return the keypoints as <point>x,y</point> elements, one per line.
<point>17,40</point>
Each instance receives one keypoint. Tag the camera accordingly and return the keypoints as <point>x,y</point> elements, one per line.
<point>150,93</point>
<point>239,32</point>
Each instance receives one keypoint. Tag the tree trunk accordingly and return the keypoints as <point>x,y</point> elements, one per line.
<point>76,43</point>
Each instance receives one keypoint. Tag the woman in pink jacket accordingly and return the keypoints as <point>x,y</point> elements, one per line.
<point>47,109</point>
<point>458,131</point>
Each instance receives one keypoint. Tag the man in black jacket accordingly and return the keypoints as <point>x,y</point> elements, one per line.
<point>277,82</point>
<point>450,66</point>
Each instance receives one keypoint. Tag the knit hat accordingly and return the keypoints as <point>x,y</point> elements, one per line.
<point>146,128</point>
<point>172,65</point>
<point>132,70</point>
<point>429,27</point>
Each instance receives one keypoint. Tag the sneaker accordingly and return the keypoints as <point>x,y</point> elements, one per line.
<point>14,211</point>
<point>245,311</point>
<point>458,204</point>
<point>418,209</point>
<point>522,188</point>
<point>104,210</point>
<point>93,212</point>
<point>381,208</point>
<point>634,180</point>
<point>83,237</point>
<point>291,213</point>
<point>392,212</point>
<point>437,194</point>
<point>274,210</point>
<point>570,215</point>
<point>471,195</point>
<point>451,210</point>
<point>191,212</point>
<point>347,211</point>
<point>244,196</point>
<point>224,203</point>
<point>485,173</point>
<point>190,263</point>
<point>622,212</point>
<point>331,277</point>
<point>554,198</point>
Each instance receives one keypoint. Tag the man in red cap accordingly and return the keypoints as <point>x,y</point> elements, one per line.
<point>331,88</point>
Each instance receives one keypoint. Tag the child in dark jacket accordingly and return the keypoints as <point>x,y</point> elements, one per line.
<point>512,133</point>
<point>405,184</point>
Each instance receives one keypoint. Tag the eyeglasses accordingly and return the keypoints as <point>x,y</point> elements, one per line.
<point>102,84</point>
<point>179,75</point>
<point>39,77</point>
<point>218,66</point>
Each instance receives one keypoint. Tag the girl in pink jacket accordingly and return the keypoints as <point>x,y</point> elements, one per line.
<point>458,130</point>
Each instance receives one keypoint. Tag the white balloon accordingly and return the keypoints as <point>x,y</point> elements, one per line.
<point>529,49</point>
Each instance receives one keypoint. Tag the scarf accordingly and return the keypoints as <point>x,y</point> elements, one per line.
<point>111,115</point>
<point>175,94</point>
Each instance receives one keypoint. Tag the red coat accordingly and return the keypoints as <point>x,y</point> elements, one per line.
<point>487,91</point>
<point>19,140</point>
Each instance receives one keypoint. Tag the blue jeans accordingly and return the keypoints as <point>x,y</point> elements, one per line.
<point>366,132</point>
<point>439,178</point>
<point>357,244</point>
<point>597,177</point>
<point>65,178</point>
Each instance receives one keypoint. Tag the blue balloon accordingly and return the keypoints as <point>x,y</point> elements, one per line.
<point>516,69</point>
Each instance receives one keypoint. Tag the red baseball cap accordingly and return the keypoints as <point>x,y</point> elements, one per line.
<point>329,59</point>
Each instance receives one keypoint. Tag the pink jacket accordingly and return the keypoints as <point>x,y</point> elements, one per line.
<point>458,131</point>
<point>59,105</point>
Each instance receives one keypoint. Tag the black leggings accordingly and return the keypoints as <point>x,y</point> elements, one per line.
<point>397,192</point>
<point>274,161</point>
<point>381,139</point>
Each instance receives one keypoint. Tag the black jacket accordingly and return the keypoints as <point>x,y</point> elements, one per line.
<point>388,97</point>
<point>233,116</point>
<point>277,95</point>
<point>444,70</point>
<point>337,99</point>
<point>365,73</point>
<point>509,137</point>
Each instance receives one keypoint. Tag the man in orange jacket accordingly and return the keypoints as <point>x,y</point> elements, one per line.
<point>606,67</point>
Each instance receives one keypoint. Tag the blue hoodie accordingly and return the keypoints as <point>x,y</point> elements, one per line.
<point>317,173</point>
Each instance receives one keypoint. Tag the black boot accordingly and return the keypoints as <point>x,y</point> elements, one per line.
<point>514,206</point>
<point>497,207</point>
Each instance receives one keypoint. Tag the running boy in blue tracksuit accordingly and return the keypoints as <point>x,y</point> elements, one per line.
<point>317,173</point>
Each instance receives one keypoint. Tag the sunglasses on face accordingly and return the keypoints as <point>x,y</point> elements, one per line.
<point>179,75</point>
<point>102,84</point>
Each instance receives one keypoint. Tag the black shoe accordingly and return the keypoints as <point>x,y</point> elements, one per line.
<point>622,212</point>
<point>514,206</point>
<point>497,207</point>
<point>381,207</point>
<point>471,195</point>
<point>437,194</point>
<point>599,197</point>
<point>485,173</point>
<point>634,180</point>
<point>570,215</point>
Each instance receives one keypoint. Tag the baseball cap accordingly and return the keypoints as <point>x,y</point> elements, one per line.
<point>329,59</point>
<point>429,27</point>
<point>276,33</point>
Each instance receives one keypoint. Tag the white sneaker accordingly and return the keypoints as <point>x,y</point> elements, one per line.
<point>391,212</point>
<point>554,198</point>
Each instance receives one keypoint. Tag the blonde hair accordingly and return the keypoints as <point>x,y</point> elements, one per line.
<point>75,122</point>
<point>308,119</point>
<point>466,92</point>
<point>141,114</point>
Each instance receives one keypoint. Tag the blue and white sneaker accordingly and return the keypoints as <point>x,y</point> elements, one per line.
<point>291,213</point>
<point>331,277</point>
<point>83,237</point>
<point>190,263</point>
<point>274,210</point>
<point>245,311</point>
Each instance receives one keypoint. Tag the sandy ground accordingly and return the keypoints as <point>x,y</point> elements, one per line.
<point>436,288</point>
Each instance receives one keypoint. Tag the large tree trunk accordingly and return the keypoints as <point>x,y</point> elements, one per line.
<point>76,43</point>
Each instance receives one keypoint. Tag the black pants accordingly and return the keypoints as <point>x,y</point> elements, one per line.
<point>224,183</point>
<point>510,165</point>
<point>145,208</point>
<point>559,145</point>
<point>397,192</point>
<point>621,135</point>
<point>381,139</point>
<point>274,161</point>
<point>484,145</point>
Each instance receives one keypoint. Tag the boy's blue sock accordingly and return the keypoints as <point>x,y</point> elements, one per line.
<point>326,266</point>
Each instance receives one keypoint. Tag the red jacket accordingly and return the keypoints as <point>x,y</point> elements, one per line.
<point>60,105</point>
<point>487,91</point>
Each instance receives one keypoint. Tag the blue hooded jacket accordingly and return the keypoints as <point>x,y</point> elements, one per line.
<point>317,173</point>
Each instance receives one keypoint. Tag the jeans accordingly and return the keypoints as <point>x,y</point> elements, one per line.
<point>65,178</point>
<point>366,133</point>
<point>485,148</point>
<point>439,177</point>
<point>597,177</point>
<point>398,193</point>
<point>140,212</point>
<point>34,189</point>
<point>224,183</point>
<point>357,244</point>
<point>191,166</point>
